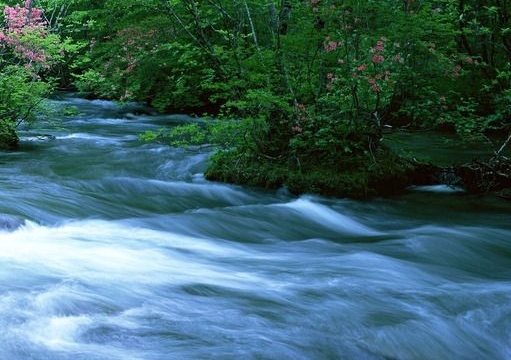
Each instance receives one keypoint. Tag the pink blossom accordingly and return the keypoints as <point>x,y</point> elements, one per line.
<point>331,46</point>
<point>362,67</point>
<point>22,23</point>
<point>456,71</point>
<point>377,59</point>
<point>297,128</point>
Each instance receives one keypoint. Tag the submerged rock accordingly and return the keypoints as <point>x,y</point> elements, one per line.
<point>491,176</point>
<point>10,222</point>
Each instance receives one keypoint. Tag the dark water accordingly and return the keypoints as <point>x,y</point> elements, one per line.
<point>115,249</point>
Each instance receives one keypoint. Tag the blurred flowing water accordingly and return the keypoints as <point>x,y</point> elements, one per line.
<point>115,249</point>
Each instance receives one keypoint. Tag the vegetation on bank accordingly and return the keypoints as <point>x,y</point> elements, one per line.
<point>301,91</point>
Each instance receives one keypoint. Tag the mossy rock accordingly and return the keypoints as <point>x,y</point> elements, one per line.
<point>360,176</point>
<point>328,182</point>
<point>240,168</point>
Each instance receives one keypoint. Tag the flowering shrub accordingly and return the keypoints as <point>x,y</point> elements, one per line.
<point>26,38</point>
<point>366,83</point>
<point>27,49</point>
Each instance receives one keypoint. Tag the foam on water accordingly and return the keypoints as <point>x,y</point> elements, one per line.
<point>93,137</point>
<point>82,276</point>
<point>328,217</point>
<point>58,332</point>
<point>129,253</point>
<point>438,188</point>
<point>114,252</point>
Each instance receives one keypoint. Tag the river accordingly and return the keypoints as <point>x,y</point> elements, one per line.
<point>115,249</point>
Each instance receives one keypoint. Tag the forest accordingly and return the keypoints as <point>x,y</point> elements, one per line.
<point>286,93</point>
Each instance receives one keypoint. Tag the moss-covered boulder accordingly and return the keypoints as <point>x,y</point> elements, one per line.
<point>365,175</point>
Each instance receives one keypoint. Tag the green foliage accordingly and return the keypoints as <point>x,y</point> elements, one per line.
<point>8,137</point>
<point>142,62</point>
<point>70,111</point>
<point>219,134</point>
<point>20,100</point>
<point>183,135</point>
<point>90,81</point>
<point>20,94</point>
<point>499,91</point>
<point>201,55</point>
<point>300,94</point>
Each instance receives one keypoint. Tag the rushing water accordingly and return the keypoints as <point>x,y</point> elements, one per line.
<point>115,249</point>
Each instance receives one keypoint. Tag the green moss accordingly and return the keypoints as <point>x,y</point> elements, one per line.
<point>239,168</point>
<point>327,182</point>
<point>355,176</point>
<point>389,174</point>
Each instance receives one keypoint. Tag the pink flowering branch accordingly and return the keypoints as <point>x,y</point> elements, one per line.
<point>25,34</point>
<point>368,77</point>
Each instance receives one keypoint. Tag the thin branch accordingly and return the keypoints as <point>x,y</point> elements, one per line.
<point>506,143</point>
<point>252,29</point>
<point>178,19</point>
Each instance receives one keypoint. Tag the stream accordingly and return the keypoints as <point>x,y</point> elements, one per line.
<point>111,248</point>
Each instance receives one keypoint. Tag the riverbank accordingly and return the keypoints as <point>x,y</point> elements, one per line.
<point>402,160</point>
